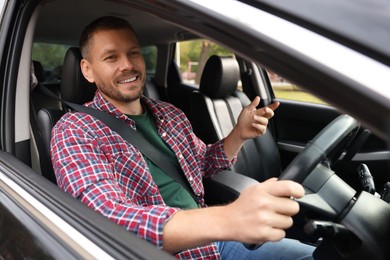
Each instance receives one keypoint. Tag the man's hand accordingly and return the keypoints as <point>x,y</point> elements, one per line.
<point>251,123</point>
<point>261,213</point>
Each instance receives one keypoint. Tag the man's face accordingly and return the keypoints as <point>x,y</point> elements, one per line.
<point>116,65</point>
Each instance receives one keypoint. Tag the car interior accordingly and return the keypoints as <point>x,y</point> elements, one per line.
<point>218,86</point>
<point>227,84</point>
<point>166,81</point>
<point>195,101</point>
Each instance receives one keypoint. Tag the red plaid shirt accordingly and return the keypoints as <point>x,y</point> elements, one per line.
<point>104,171</point>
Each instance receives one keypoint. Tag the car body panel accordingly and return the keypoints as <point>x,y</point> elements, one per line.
<point>345,21</point>
<point>54,216</point>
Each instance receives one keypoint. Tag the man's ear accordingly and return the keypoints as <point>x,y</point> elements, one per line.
<point>87,70</point>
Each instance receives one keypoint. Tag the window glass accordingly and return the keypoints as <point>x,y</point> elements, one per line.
<point>51,56</point>
<point>285,89</point>
<point>150,57</point>
<point>20,237</point>
<point>191,56</point>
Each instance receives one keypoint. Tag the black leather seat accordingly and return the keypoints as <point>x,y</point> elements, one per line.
<point>74,88</point>
<point>179,92</point>
<point>38,99</point>
<point>215,109</point>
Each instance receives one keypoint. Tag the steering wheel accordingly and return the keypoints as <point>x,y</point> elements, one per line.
<point>329,141</point>
<point>333,210</point>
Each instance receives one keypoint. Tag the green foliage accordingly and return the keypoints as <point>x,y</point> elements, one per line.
<point>191,50</point>
<point>50,55</point>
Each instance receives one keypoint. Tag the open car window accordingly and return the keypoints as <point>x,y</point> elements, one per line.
<point>285,89</point>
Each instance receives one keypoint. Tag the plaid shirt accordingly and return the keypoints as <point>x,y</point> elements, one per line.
<point>104,171</point>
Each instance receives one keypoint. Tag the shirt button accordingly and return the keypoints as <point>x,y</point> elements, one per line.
<point>180,156</point>
<point>164,134</point>
<point>191,179</point>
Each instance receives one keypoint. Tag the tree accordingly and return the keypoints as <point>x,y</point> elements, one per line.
<point>203,56</point>
<point>199,51</point>
<point>50,55</point>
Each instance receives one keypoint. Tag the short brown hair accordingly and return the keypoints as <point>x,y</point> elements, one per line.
<point>102,23</point>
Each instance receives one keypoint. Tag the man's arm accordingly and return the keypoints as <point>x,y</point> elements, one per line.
<point>251,123</point>
<point>261,213</point>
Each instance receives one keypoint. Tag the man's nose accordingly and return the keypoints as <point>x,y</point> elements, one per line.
<point>126,64</point>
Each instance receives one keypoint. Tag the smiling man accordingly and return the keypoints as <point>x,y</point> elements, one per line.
<point>122,84</point>
<point>110,175</point>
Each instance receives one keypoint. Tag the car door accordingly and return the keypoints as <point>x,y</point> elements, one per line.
<point>37,219</point>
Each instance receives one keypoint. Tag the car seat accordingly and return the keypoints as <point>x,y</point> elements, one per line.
<point>74,88</point>
<point>215,109</point>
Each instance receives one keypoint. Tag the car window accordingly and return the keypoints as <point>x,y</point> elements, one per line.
<point>284,89</point>
<point>51,56</point>
<point>191,56</point>
<point>150,56</point>
<point>17,240</point>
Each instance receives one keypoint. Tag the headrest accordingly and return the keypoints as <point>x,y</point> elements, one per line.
<point>220,77</point>
<point>38,71</point>
<point>74,87</point>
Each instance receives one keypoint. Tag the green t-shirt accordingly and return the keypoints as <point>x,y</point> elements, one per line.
<point>172,192</point>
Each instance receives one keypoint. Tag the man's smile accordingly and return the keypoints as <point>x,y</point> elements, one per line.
<point>129,80</point>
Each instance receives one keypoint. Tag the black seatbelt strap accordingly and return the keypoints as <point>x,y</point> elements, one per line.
<point>144,146</point>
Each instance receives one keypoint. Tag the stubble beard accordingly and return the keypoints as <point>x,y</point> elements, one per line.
<point>115,94</point>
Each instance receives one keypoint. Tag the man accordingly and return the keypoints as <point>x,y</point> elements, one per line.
<point>99,167</point>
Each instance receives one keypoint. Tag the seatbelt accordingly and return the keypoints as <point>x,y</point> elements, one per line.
<point>144,146</point>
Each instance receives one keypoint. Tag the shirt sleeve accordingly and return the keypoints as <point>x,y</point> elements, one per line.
<point>212,157</point>
<point>215,159</point>
<point>83,170</point>
<point>145,221</point>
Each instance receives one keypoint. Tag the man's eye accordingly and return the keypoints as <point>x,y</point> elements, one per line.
<point>134,53</point>
<point>110,58</point>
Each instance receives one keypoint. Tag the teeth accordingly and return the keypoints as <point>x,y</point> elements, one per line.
<point>128,80</point>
